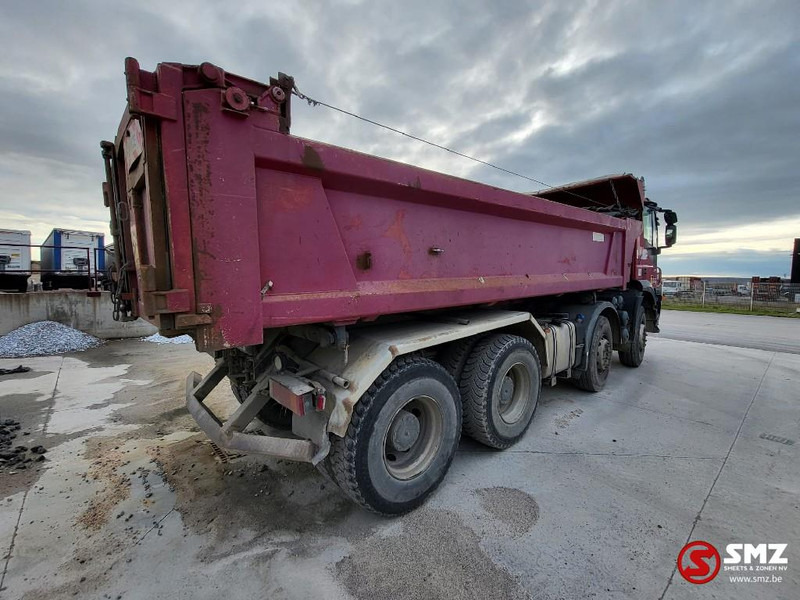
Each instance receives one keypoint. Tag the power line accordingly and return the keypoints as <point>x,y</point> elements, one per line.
<point>314,102</point>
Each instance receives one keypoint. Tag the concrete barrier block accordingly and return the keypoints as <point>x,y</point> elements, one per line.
<point>90,314</point>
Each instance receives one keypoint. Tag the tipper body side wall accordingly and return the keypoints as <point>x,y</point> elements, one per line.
<point>233,226</point>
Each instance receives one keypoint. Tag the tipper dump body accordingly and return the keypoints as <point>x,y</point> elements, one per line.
<point>371,310</point>
<point>233,226</point>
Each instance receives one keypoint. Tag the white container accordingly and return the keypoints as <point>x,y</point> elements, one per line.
<point>15,259</point>
<point>19,257</point>
<point>69,256</point>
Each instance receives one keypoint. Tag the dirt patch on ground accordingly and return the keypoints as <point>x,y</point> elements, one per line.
<point>250,492</point>
<point>30,412</point>
<point>514,508</point>
<point>107,462</point>
<point>563,422</point>
<point>432,555</point>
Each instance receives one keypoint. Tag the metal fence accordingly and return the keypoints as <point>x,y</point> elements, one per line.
<point>83,270</point>
<point>757,297</point>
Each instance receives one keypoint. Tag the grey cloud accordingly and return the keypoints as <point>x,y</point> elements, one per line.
<point>701,99</point>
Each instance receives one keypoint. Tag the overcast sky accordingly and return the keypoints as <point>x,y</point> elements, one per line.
<point>700,98</point>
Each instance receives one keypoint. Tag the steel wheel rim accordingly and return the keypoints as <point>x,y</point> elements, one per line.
<point>402,463</point>
<point>604,352</point>
<point>642,338</point>
<point>515,391</point>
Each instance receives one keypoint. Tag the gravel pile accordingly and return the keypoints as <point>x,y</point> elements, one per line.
<point>45,338</point>
<point>160,339</point>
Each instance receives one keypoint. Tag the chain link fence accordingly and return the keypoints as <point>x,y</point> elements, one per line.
<point>751,297</point>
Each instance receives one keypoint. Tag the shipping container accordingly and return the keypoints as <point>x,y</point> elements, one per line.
<point>69,258</point>
<point>15,259</point>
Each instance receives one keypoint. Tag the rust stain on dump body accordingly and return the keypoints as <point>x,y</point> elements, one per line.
<point>312,160</point>
<point>397,231</point>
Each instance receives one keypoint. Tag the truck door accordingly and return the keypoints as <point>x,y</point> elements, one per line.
<point>647,268</point>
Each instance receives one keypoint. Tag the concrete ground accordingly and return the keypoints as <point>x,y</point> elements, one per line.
<point>774,334</point>
<point>595,502</point>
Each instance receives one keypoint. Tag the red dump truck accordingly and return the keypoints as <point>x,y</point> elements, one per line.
<point>365,312</point>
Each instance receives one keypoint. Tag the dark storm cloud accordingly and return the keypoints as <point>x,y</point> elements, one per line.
<point>700,98</point>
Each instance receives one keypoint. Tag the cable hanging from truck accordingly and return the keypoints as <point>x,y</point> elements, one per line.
<point>314,102</point>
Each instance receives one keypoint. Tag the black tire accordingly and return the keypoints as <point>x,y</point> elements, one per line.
<point>500,386</point>
<point>634,355</point>
<point>593,379</point>
<point>365,463</point>
<point>22,287</point>
<point>273,414</point>
<point>454,355</point>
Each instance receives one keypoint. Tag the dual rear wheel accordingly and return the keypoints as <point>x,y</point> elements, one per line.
<point>500,385</point>
<point>405,430</point>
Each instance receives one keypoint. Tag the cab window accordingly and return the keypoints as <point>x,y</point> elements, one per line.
<point>648,222</point>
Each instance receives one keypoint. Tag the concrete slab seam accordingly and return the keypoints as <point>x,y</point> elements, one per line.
<point>25,495</point>
<point>53,399</point>
<point>13,539</point>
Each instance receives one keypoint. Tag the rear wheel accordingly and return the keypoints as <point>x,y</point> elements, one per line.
<point>601,350</point>
<point>634,355</point>
<point>401,439</point>
<point>273,414</point>
<point>500,386</point>
<point>454,355</point>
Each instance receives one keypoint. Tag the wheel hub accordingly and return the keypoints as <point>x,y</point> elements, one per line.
<point>604,353</point>
<point>404,431</point>
<point>506,391</point>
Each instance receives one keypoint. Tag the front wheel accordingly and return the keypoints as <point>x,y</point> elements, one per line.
<point>401,439</point>
<point>601,350</point>
<point>634,355</point>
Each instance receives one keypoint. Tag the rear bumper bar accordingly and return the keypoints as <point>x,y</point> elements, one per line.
<point>228,435</point>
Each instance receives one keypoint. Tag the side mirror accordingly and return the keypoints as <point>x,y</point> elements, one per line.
<point>671,217</point>
<point>670,234</point>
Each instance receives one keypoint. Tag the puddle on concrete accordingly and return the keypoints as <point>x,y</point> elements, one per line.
<point>39,382</point>
<point>131,499</point>
<point>82,400</point>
